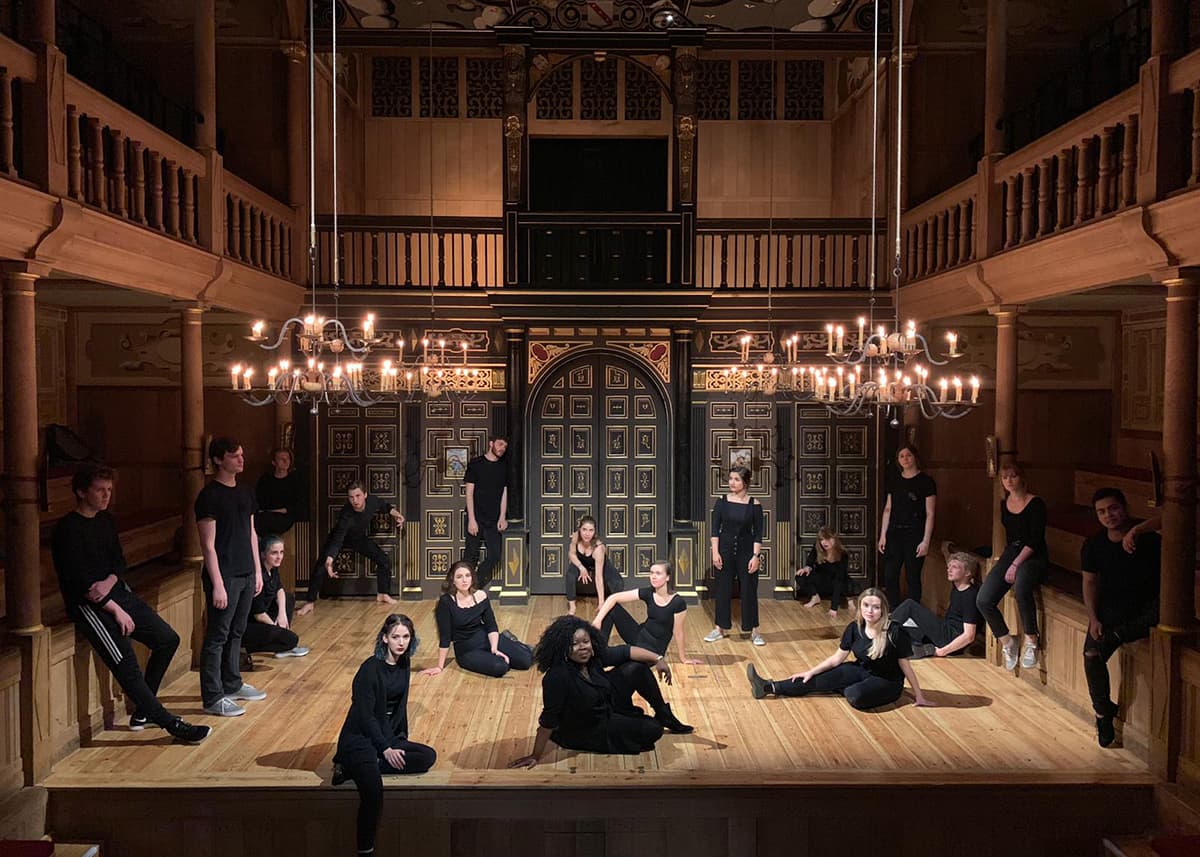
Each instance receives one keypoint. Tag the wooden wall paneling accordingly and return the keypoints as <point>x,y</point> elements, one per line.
<point>850,152</point>
<point>1189,743</point>
<point>745,167</point>
<point>11,773</point>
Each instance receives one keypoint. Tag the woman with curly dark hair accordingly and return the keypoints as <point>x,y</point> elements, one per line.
<point>374,738</point>
<point>587,693</point>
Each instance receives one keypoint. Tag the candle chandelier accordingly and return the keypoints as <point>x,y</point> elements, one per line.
<point>879,369</point>
<point>327,361</point>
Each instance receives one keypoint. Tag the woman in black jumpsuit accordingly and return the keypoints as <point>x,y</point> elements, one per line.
<point>374,738</point>
<point>584,553</point>
<point>465,618</point>
<point>737,526</point>
<point>587,693</point>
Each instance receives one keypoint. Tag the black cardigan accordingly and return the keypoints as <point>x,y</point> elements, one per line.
<point>368,730</point>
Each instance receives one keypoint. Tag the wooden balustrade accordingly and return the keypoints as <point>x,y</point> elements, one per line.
<point>1185,79</point>
<point>123,165</point>
<point>17,66</point>
<point>940,233</point>
<point>410,251</point>
<point>790,254</point>
<point>258,229</point>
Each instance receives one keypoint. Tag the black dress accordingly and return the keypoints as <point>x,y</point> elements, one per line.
<point>737,527</point>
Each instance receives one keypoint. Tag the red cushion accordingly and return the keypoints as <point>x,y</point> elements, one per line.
<point>26,848</point>
<point>1176,846</point>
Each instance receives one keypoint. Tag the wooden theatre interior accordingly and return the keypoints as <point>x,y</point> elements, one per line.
<point>600,204</point>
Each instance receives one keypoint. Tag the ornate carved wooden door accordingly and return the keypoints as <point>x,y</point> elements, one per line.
<point>598,445</point>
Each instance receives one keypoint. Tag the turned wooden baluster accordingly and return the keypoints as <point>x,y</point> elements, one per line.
<point>247,246</point>
<point>910,253</point>
<point>6,124</point>
<point>1195,176</point>
<point>791,260</point>
<point>139,183</point>
<point>1104,196</point>
<point>1027,202</point>
<point>276,244</point>
<point>1129,162</point>
<point>74,155</point>
<point>255,236</point>
<point>265,239</point>
<point>286,256</point>
<point>1081,182</point>
<point>1045,200</point>
<point>1063,211</point>
<point>952,239</point>
<point>939,228</point>
<point>120,208</point>
<point>724,261</point>
<point>156,191</point>
<point>172,181</point>
<point>1010,211</point>
<point>233,246</point>
<point>189,206</point>
<point>96,135</point>
<point>964,248</point>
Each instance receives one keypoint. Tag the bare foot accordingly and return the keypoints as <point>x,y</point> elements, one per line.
<point>384,598</point>
<point>814,601</point>
<point>306,609</point>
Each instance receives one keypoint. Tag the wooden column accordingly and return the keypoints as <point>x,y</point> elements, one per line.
<point>210,202</point>
<point>297,145</point>
<point>995,74</point>
<point>1162,139</point>
<point>191,397</point>
<point>1005,430</point>
<point>684,74</point>
<point>23,571</point>
<point>681,374</point>
<point>44,128</point>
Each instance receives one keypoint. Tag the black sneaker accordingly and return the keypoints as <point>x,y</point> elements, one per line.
<point>339,775</point>
<point>187,733</point>
<point>245,662</point>
<point>758,685</point>
<point>923,650</point>
<point>1106,732</point>
<point>137,723</point>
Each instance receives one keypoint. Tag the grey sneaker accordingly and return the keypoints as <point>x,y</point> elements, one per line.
<point>248,692</point>
<point>1029,656</point>
<point>757,639</point>
<point>714,635</point>
<point>225,707</point>
<point>1010,657</point>
<point>298,652</point>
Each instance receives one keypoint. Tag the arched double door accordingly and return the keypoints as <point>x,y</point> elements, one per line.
<point>598,445</point>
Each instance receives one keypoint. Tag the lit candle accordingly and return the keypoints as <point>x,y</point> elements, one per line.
<point>833,389</point>
<point>862,326</point>
<point>441,351</point>
<point>400,347</point>
<point>840,378</point>
<point>246,376</point>
<point>944,385</point>
<point>310,322</point>
<point>952,338</point>
<point>911,335</point>
<point>882,340</point>
<point>883,388</point>
<point>974,390</point>
<point>235,373</point>
<point>841,336</point>
<point>425,348</point>
<point>284,365</point>
<point>958,389</point>
<point>408,381</point>
<point>746,349</point>
<point>853,381</point>
<point>258,329</point>
<point>368,325</point>
<point>272,373</point>
<point>337,376</point>
<point>829,332</point>
<point>464,351</point>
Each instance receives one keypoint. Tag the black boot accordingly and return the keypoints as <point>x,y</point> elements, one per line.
<point>339,775</point>
<point>670,722</point>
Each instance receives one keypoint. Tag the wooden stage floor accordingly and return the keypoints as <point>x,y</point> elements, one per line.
<point>988,726</point>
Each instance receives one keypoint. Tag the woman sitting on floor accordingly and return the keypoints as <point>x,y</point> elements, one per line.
<point>876,676</point>
<point>270,625</point>
<point>586,553</point>
<point>587,693</point>
<point>465,618</point>
<point>374,738</point>
<point>938,637</point>
<point>826,573</point>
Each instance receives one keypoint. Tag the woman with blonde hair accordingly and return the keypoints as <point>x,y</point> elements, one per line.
<point>875,677</point>
<point>825,573</point>
<point>933,636</point>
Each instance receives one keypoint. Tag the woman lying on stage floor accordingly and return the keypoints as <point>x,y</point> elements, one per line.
<point>586,553</point>
<point>587,693</point>
<point>464,617</point>
<point>876,676</point>
<point>374,738</point>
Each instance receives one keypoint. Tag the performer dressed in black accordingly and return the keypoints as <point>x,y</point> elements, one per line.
<point>737,528</point>
<point>374,738</point>
<point>486,483</point>
<point>907,524</point>
<point>465,618</point>
<point>281,496</point>
<point>826,573</point>
<point>353,531</point>
<point>585,554</point>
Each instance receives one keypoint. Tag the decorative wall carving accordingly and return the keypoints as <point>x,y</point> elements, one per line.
<point>477,340</point>
<point>597,90</point>
<point>656,354</point>
<point>555,96</point>
<point>51,345</point>
<point>804,89</point>
<point>543,353</point>
<point>391,86</point>
<point>730,341</point>
<point>713,89</point>
<point>756,89</point>
<point>439,87</point>
<point>485,88</point>
<point>643,95</point>
<point>1143,354</point>
<point>514,135</point>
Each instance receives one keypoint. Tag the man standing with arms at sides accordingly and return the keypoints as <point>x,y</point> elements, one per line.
<point>89,562</point>
<point>487,507</point>
<point>232,577</point>
<point>353,532</point>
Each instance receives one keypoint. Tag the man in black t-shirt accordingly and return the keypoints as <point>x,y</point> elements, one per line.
<point>280,494</point>
<point>934,637</point>
<point>232,577</point>
<point>353,532</point>
<point>89,563</point>
<point>1120,589</point>
<point>487,507</point>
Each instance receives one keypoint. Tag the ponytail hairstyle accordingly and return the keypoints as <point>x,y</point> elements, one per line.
<point>264,547</point>
<point>880,643</point>
<point>389,623</point>
<point>669,570</point>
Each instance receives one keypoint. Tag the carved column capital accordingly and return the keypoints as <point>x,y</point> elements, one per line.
<point>295,51</point>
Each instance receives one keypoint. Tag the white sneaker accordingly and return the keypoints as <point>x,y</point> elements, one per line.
<point>298,652</point>
<point>1010,657</point>
<point>248,692</point>
<point>225,707</point>
<point>714,635</point>
<point>757,639</point>
<point>1029,656</point>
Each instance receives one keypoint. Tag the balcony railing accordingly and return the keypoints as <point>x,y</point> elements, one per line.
<point>788,254</point>
<point>600,249</point>
<point>17,67</point>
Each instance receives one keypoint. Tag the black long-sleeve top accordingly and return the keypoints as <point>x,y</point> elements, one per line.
<point>458,624</point>
<point>354,525</point>
<point>737,526</point>
<point>85,551</point>
<point>576,706</point>
<point>267,600</point>
<point>286,493</point>
<point>832,575</point>
<point>1027,529</point>
<point>378,716</point>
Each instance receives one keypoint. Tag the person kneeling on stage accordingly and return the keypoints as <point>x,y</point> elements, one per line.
<point>465,618</point>
<point>876,676</point>
<point>938,637</point>
<point>353,530</point>
<point>270,625</point>
<point>587,693</point>
<point>89,562</point>
<point>374,738</point>
<point>826,573</point>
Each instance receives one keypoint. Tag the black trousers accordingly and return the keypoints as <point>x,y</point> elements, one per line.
<point>1116,631</point>
<point>861,689</point>
<point>626,625</point>
<point>1029,579</point>
<point>901,553</point>
<point>627,730</point>
<point>368,776</point>
<point>260,637</point>
<point>476,655</point>
<point>489,535</point>
<point>736,565</point>
<point>220,673</point>
<point>114,648</point>
<point>929,626</point>
<point>366,546</point>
